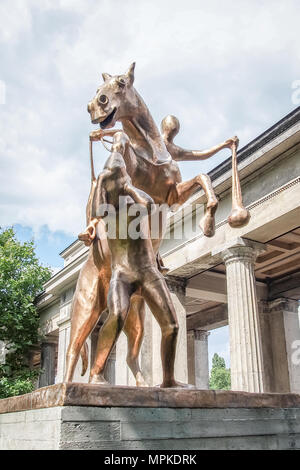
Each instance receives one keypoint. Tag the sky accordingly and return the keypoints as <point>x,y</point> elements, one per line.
<point>223,68</point>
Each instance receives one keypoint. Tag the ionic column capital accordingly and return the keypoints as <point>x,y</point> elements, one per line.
<point>239,249</point>
<point>279,305</point>
<point>201,335</point>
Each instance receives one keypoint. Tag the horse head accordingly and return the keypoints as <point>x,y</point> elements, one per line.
<point>115,99</point>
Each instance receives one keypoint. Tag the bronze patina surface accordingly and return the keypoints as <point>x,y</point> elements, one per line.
<point>239,215</point>
<point>134,268</point>
<point>151,162</point>
<point>78,394</point>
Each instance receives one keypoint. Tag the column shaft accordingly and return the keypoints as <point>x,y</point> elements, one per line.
<point>243,316</point>
<point>201,359</point>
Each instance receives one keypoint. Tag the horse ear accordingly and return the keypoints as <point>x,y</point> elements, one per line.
<point>106,76</point>
<point>130,73</point>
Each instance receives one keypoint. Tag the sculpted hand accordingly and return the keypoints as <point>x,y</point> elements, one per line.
<point>229,143</point>
<point>99,133</point>
<point>96,135</point>
<point>89,234</point>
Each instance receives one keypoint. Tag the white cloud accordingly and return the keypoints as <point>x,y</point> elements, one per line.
<point>223,68</point>
<point>15,20</point>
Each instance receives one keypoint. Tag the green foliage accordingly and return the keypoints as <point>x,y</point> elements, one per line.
<point>21,279</point>
<point>220,376</point>
<point>19,384</point>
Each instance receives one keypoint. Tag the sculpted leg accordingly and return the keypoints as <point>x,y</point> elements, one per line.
<point>118,303</point>
<point>187,189</point>
<point>88,303</point>
<point>158,298</point>
<point>134,330</point>
<point>120,145</point>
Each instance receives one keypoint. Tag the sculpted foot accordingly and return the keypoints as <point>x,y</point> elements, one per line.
<point>98,379</point>
<point>89,233</point>
<point>85,238</point>
<point>140,381</point>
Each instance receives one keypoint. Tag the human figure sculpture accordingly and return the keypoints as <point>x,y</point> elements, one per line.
<point>151,161</point>
<point>134,268</point>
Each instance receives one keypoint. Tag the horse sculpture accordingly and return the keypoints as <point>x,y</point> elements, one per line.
<point>151,161</point>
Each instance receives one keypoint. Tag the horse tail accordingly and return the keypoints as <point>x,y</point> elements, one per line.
<point>84,353</point>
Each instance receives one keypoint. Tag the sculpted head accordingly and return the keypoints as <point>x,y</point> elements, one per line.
<point>115,99</point>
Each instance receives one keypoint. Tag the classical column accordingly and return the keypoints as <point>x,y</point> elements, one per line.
<point>150,351</point>
<point>48,363</point>
<point>198,369</point>
<point>63,342</point>
<point>243,316</point>
<point>201,359</point>
<point>281,345</point>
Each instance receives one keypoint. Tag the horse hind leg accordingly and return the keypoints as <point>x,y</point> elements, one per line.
<point>88,303</point>
<point>186,189</point>
<point>78,345</point>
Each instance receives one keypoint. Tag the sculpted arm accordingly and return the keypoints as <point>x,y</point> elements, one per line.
<point>170,128</point>
<point>100,193</point>
<point>97,197</point>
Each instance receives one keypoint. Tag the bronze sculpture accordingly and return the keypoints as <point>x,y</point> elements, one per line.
<point>134,268</point>
<point>151,161</point>
<point>239,215</point>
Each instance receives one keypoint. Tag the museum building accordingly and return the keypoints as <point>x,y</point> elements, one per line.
<point>247,278</point>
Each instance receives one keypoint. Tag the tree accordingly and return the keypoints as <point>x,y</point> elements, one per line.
<point>21,279</point>
<point>220,376</point>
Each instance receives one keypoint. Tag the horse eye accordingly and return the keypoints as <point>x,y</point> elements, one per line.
<point>103,99</point>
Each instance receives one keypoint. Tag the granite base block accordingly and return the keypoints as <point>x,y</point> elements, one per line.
<point>81,416</point>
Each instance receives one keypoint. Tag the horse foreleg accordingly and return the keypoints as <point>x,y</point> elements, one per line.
<point>186,189</point>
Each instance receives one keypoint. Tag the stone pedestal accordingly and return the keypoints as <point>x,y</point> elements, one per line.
<point>198,368</point>
<point>82,416</point>
<point>243,316</point>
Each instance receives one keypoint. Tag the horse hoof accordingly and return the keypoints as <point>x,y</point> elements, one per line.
<point>207,225</point>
